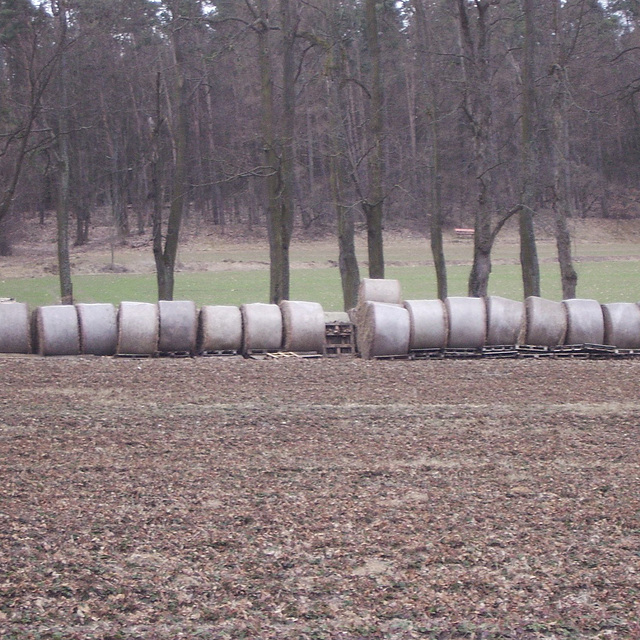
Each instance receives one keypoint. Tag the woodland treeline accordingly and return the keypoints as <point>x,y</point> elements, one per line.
<point>319,114</point>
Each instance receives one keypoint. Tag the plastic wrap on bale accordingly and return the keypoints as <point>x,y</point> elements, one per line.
<point>504,320</point>
<point>262,327</point>
<point>428,324</point>
<point>379,290</point>
<point>304,326</point>
<point>98,328</point>
<point>57,330</point>
<point>622,324</point>
<point>178,326</point>
<point>383,330</point>
<point>545,322</point>
<point>585,322</point>
<point>15,331</point>
<point>220,329</point>
<point>467,319</point>
<point>137,328</point>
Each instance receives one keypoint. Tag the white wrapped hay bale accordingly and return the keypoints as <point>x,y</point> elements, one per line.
<point>545,322</point>
<point>98,328</point>
<point>467,319</point>
<point>379,290</point>
<point>57,330</point>
<point>504,320</point>
<point>428,324</point>
<point>15,332</point>
<point>585,322</point>
<point>220,329</point>
<point>383,330</point>
<point>137,328</point>
<point>622,325</point>
<point>178,322</point>
<point>304,326</point>
<point>262,327</point>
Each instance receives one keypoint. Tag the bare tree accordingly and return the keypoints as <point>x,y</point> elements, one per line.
<point>528,249</point>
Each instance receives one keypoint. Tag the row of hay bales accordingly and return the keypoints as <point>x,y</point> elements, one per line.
<point>178,327</point>
<point>387,325</point>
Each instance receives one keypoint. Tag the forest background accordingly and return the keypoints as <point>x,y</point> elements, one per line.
<point>323,116</point>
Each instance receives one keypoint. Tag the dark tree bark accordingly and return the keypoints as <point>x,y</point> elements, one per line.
<point>347,260</point>
<point>435,214</point>
<point>64,165</point>
<point>165,256</point>
<point>528,249</point>
<point>560,157</point>
<point>477,105</point>
<point>373,205</point>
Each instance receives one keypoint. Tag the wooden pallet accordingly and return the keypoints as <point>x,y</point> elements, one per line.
<point>219,352</point>
<point>339,339</point>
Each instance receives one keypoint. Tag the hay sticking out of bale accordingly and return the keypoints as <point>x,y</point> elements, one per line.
<point>220,329</point>
<point>379,290</point>
<point>467,319</point>
<point>137,328</point>
<point>304,326</point>
<point>545,322</point>
<point>15,333</point>
<point>622,325</point>
<point>98,329</point>
<point>262,327</point>
<point>383,330</point>
<point>178,320</point>
<point>504,320</point>
<point>585,322</point>
<point>428,319</point>
<point>57,330</point>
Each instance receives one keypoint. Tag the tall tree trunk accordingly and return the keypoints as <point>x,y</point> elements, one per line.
<point>166,259</point>
<point>528,249</point>
<point>435,215</point>
<point>373,205</point>
<point>347,260</point>
<point>281,289</point>
<point>62,213</point>
<point>476,66</point>
<point>278,258</point>
<point>560,160</point>
<point>435,218</point>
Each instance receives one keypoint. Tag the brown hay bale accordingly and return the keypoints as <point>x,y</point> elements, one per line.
<point>379,290</point>
<point>220,328</point>
<point>383,330</point>
<point>304,326</point>
<point>98,329</point>
<point>622,325</point>
<point>585,322</point>
<point>178,321</point>
<point>57,330</point>
<point>15,333</point>
<point>137,328</point>
<point>504,320</point>
<point>467,322</point>
<point>428,320</point>
<point>545,322</point>
<point>262,327</point>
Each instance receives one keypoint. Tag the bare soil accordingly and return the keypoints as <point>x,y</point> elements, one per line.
<point>234,248</point>
<point>231,498</point>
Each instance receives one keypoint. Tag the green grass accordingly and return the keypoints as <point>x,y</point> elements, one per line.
<point>615,281</point>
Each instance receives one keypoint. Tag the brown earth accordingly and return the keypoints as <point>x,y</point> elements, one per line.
<point>35,253</point>
<point>231,498</point>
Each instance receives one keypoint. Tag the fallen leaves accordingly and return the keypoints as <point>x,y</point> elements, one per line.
<point>324,499</point>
